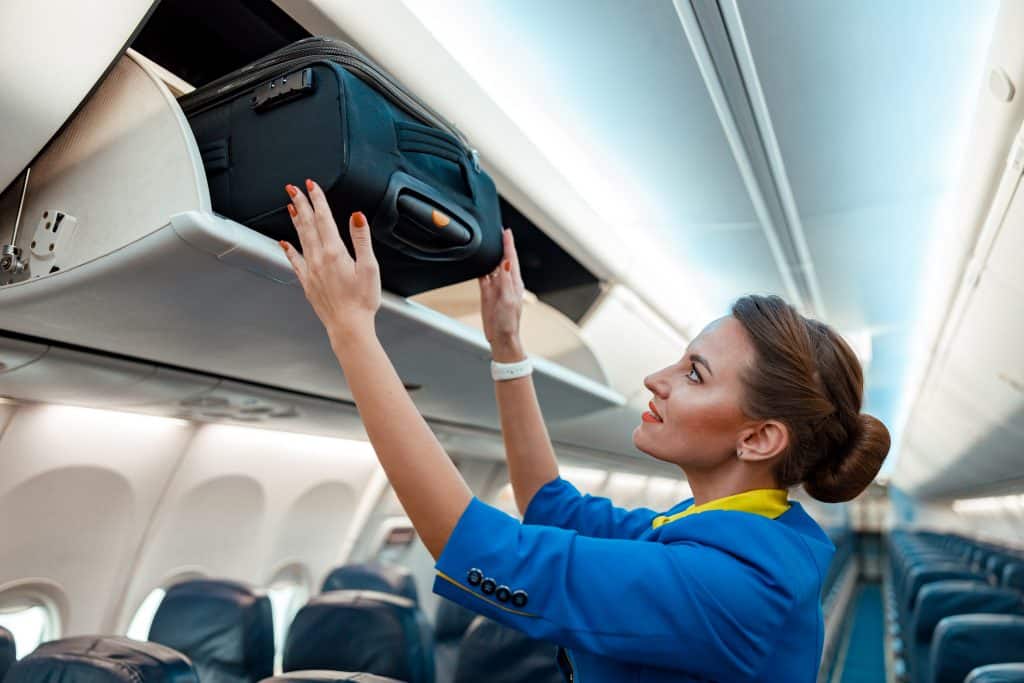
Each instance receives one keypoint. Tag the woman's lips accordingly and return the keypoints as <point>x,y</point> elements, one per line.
<point>651,415</point>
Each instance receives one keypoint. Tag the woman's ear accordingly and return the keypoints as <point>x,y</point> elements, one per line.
<point>763,441</point>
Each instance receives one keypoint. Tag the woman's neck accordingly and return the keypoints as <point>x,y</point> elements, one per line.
<point>727,480</point>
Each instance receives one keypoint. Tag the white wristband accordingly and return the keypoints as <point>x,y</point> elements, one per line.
<point>501,372</point>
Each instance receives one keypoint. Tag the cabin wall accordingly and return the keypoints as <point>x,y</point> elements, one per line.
<point>98,508</point>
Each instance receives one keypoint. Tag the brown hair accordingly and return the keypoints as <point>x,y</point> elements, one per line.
<point>806,376</point>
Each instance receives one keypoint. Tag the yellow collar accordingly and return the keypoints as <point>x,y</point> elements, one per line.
<point>770,503</point>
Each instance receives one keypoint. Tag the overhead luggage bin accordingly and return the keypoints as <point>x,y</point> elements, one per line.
<point>142,267</point>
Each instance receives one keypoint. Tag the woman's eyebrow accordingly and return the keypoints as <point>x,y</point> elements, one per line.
<point>697,358</point>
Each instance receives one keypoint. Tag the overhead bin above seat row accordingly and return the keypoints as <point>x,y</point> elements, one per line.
<point>150,272</point>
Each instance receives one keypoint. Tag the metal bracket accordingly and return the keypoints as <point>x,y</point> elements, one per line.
<point>283,89</point>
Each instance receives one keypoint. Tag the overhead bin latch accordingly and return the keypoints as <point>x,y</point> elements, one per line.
<point>12,263</point>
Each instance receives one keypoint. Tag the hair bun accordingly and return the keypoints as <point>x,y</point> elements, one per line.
<point>841,477</point>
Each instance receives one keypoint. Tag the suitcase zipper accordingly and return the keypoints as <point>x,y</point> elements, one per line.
<point>307,51</point>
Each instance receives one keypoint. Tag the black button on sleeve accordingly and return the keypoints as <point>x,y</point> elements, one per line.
<point>503,593</point>
<point>520,598</point>
<point>488,585</point>
<point>474,577</point>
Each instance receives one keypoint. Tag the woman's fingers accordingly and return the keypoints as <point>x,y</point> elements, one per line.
<point>511,254</point>
<point>298,263</point>
<point>361,243</point>
<point>326,228</point>
<point>302,218</point>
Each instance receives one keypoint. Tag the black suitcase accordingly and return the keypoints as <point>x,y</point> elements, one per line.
<point>320,109</point>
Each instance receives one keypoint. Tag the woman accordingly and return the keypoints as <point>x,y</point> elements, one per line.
<point>724,587</point>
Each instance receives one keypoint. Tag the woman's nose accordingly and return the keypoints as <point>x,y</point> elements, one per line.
<point>656,384</point>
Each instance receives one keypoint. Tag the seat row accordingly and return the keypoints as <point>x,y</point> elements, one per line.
<point>952,606</point>
<point>368,620</point>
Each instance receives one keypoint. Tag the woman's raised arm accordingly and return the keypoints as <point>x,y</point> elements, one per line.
<point>528,449</point>
<point>346,293</point>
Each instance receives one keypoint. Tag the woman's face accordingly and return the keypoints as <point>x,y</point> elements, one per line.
<point>695,419</point>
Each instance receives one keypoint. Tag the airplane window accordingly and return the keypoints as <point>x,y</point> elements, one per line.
<point>286,598</point>
<point>30,626</point>
<point>586,479</point>
<point>139,627</point>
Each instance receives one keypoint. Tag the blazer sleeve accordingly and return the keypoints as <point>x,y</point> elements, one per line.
<point>558,503</point>
<point>685,607</point>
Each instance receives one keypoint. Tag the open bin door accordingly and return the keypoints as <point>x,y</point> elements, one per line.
<point>42,86</point>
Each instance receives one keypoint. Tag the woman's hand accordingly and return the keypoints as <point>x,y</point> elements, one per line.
<point>501,305</point>
<point>344,292</point>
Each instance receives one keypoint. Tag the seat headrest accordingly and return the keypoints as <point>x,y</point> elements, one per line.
<point>948,598</point>
<point>919,576</point>
<point>7,651</point>
<point>452,621</point>
<point>329,677</point>
<point>225,628</point>
<point>997,673</point>
<point>383,577</point>
<point>367,631</point>
<point>498,654</point>
<point>968,641</point>
<point>1013,575</point>
<point>101,659</point>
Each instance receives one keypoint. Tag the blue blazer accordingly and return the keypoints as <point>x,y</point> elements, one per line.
<point>729,594</point>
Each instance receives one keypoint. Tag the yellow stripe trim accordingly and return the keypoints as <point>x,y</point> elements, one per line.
<point>487,600</point>
<point>770,503</point>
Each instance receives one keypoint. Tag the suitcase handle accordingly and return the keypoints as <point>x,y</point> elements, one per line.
<point>414,220</point>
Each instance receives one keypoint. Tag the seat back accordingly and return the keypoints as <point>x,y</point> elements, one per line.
<point>224,627</point>
<point>101,659</point>
<point>925,574</point>
<point>1013,576</point>
<point>378,633</point>
<point>997,673</point>
<point>450,625</point>
<point>968,641</point>
<point>498,654</point>
<point>948,598</point>
<point>383,577</point>
<point>7,651</point>
<point>328,677</point>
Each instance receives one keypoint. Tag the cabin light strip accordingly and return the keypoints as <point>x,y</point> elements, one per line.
<point>1013,503</point>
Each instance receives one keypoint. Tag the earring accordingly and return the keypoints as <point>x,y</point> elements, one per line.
<point>739,454</point>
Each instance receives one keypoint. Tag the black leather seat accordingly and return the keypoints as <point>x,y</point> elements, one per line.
<point>998,673</point>
<point>329,677</point>
<point>378,633</point>
<point>100,659</point>
<point>942,599</point>
<point>7,651</point>
<point>383,577</point>
<point>498,654</point>
<point>225,628</point>
<point>450,625</point>
<point>966,642</point>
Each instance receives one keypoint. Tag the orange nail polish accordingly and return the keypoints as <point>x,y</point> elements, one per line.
<point>309,184</point>
<point>284,245</point>
<point>292,210</point>
<point>507,265</point>
<point>358,219</point>
<point>292,190</point>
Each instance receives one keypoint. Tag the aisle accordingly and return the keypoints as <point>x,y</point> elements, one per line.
<point>863,657</point>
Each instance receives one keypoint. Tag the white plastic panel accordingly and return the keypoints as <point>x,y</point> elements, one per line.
<point>52,54</point>
<point>15,353</point>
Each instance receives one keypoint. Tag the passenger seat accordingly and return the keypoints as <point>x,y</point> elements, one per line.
<point>383,577</point>
<point>7,651</point>
<point>329,677</point>
<point>225,628</point>
<point>498,654</point>
<point>367,631</point>
<point>102,659</point>
<point>998,673</point>
<point>450,625</point>
<point>966,642</point>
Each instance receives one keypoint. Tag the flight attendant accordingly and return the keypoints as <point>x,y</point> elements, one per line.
<point>723,587</point>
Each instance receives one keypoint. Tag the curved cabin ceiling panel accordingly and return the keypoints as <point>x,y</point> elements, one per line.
<point>611,94</point>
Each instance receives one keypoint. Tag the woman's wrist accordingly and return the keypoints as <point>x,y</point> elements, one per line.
<point>507,350</point>
<point>346,339</point>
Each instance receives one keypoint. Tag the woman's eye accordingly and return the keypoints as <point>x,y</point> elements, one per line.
<point>694,375</point>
